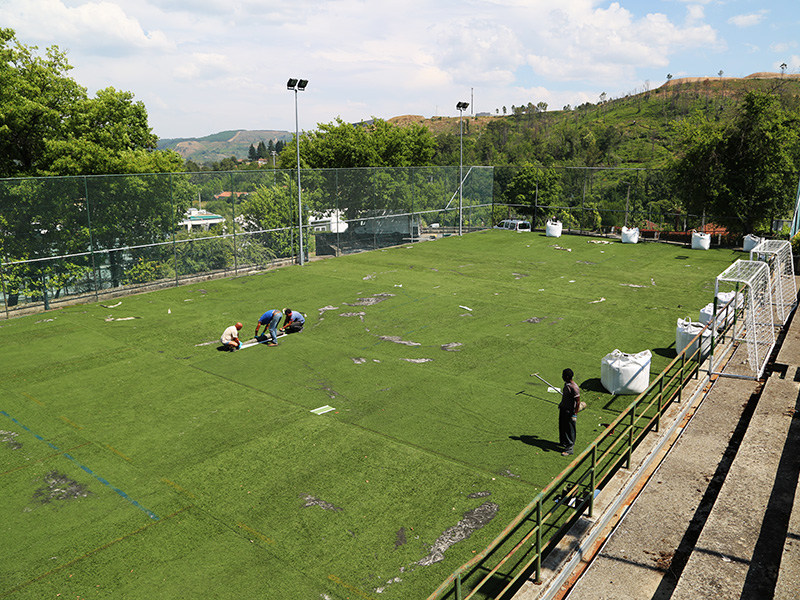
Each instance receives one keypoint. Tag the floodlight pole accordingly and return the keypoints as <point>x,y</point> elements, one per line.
<point>461,107</point>
<point>298,85</point>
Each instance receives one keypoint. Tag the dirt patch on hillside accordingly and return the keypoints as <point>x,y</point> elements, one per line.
<point>443,124</point>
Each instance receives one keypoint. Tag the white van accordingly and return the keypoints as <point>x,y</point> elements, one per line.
<point>514,225</point>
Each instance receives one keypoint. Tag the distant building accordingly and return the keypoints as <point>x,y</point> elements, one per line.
<point>200,220</point>
<point>227,195</point>
<point>329,221</point>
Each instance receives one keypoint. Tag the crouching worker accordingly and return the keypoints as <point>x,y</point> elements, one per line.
<point>230,337</point>
<point>269,320</point>
<point>294,321</point>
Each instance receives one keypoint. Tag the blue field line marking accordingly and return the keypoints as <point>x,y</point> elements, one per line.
<point>118,491</point>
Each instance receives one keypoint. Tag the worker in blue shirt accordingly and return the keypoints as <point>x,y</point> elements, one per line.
<point>270,320</point>
<point>294,321</point>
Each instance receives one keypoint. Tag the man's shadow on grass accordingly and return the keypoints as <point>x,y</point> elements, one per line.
<point>536,441</point>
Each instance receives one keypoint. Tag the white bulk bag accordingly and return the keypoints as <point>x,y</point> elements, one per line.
<point>630,236</point>
<point>700,241</point>
<point>724,297</point>
<point>707,312</point>
<point>685,332</point>
<point>750,242</point>
<point>622,373</point>
<point>553,228</point>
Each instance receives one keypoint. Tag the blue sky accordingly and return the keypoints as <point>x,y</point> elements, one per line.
<point>204,66</point>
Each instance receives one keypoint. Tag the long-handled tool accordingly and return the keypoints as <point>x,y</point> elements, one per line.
<point>550,387</point>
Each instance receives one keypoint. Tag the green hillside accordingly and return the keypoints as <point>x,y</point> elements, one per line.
<point>218,146</point>
<point>635,130</point>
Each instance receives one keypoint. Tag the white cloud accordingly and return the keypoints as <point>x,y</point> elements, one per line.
<point>782,46</point>
<point>90,25</point>
<point>748,20</point>
<point>208,65</point>
<point>610,44</point>
<point>202,66</point>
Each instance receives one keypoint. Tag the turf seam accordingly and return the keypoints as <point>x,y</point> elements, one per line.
<point>45,458</point>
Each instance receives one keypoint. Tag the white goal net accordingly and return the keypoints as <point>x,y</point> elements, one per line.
<point>778,255</point>
<point>753,328</point>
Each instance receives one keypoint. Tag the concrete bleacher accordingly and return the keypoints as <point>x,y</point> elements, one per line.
<point>718,517</point>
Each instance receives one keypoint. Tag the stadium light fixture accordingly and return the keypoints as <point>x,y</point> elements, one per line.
<point>461,107</point>
<point>298,85</point>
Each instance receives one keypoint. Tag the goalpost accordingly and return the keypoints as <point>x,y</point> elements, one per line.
<point>778,255</point>
<point>753,327</point>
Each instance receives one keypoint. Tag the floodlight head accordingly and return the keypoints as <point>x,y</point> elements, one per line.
<point>291,83</point>
<point>462,106</point>
<point>301,85</point>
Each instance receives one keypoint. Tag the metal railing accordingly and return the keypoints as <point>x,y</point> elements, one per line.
<point>518,551</point>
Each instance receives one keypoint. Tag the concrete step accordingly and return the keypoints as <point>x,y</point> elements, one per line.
<point>738,553</point>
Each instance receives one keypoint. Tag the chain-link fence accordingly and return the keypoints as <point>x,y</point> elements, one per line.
<point>71,237</point>
<point>85,237</point>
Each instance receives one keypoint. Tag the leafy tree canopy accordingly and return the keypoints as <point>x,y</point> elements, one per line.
<point>746,168</point>
<point>379,144</point>
<point>49,125</point>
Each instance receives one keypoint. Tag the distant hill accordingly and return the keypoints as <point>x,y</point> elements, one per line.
<point>215,147</point>
<point>634,130</point>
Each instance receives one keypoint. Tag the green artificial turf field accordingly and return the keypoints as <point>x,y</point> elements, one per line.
<point>138,461</point>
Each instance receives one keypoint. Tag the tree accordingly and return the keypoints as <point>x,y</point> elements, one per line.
<point>532,185</point>
<point>271,210</point>
<point>261,151</point>
<point>251,153</point>
<point>746,169</point>
<point>35,96</point>
<point>49,125</point>
<point>379,144</point>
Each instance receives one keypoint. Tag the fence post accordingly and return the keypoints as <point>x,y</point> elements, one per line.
<point>3,285</point>
<point>592,480</point>
<point>91,237</point>
<point>458,587</point>
<point>629,451</point>
<point>233,210</point>
<point>681,378</point>
<point>538,541</point>
<point>174,227</point>
<point>660,400</point>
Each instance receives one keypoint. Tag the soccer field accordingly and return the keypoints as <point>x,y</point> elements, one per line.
<point>138,461</point>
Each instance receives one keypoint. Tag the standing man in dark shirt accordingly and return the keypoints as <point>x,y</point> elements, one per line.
<point>568,413</point>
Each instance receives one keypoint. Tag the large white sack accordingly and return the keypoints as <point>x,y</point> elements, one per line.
<point>630,236</point>
<point>685,332</point>
<point>553,229</point>
<point>700,241</point>
<point>724,316</point>
<point>724,297</point>
<point>622,373</point>
<point>750,242</point>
